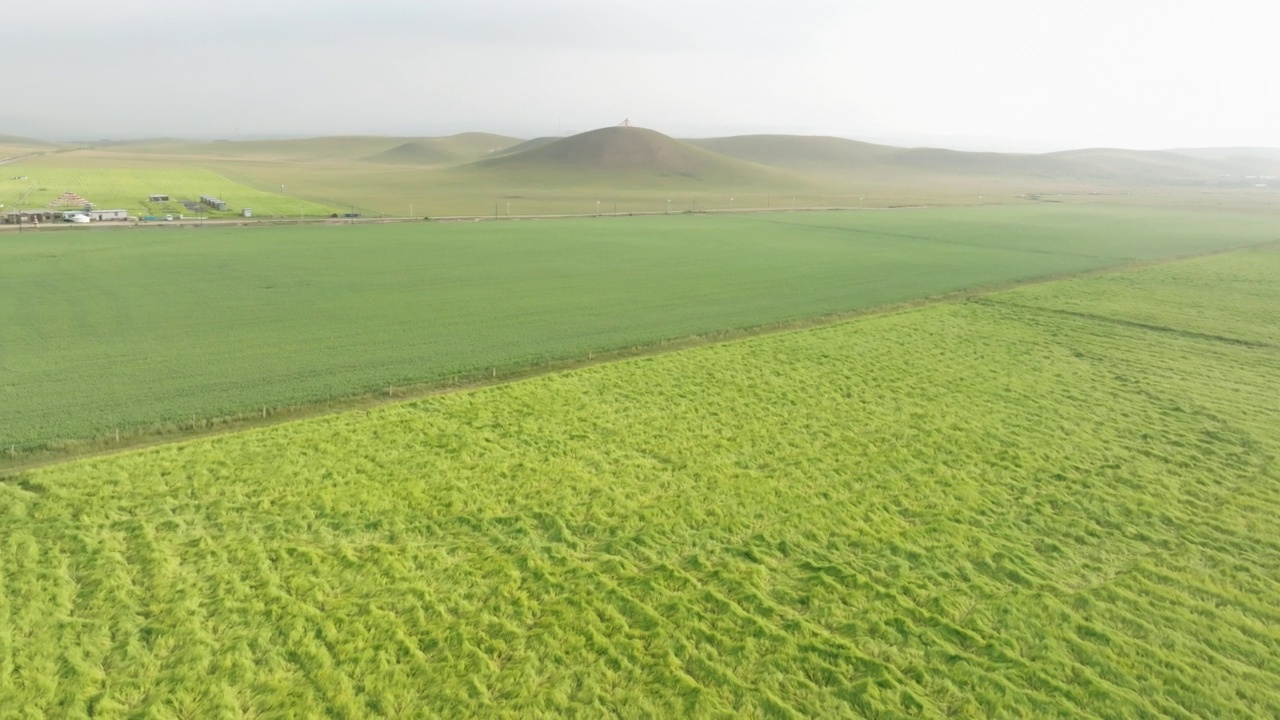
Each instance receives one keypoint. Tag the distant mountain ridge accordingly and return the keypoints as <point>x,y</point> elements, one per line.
<point>637,157</point>
<point>834,156</point>
<point>1230,153</point>
<point>19,141</point>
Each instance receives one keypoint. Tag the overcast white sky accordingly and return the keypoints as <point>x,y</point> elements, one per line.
<point>988,74</point>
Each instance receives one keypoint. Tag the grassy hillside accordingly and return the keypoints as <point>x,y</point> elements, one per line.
<point>624,155</point>
<point>129,188</point>
<point>445,150</point>
<point>526,145</point>
<point>146,328</point>
<point>968,510</point>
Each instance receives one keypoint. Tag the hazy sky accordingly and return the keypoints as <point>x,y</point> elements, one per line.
<point>980,74</point>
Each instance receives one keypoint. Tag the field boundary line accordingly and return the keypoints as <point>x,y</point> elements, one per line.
<point>141,438</point>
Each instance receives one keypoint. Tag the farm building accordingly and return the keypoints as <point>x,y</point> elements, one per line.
<point>157,198</point>
<point>108,214</point>
<point>31,216</point>
<point>213,202</point>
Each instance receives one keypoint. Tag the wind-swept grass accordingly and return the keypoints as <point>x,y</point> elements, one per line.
<point>976,509</point>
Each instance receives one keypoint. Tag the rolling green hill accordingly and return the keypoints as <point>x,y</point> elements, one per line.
<point>625,155</point>
<point>461,148</point>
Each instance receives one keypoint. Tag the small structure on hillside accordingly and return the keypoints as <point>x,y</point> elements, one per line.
<point>157,198</point>
<point>70,199</point>
<point>246,212</point>
<point>213,202</point>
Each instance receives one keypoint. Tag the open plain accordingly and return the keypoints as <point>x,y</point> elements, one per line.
<point>1056,501</point>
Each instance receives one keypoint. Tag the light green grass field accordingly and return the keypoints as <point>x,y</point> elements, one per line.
<point>129,188</point>
<point>979,509</point>
<point>139,330</point>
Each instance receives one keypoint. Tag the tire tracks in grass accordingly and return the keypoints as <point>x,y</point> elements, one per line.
<point>1121,322</point>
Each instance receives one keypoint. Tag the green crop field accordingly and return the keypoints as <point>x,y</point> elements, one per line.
<point>139,330</point>
<point>34,185</point>
<point>1057,501</point>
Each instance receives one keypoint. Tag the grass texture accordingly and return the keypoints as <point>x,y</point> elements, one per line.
<point>995,508</point>
<point>134,330</point>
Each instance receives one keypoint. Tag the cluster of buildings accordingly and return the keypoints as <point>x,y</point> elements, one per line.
<point>35,217</point>
<point>86,212</point>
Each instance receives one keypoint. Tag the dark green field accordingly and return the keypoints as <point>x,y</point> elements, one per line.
<point>135,330</point>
